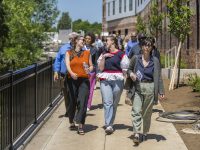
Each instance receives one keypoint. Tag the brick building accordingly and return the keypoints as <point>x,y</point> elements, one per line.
<point>119,16</point>
<point>166,41</point>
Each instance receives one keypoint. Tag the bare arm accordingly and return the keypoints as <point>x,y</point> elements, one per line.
<point>90,64</point>
<point>101,63</point>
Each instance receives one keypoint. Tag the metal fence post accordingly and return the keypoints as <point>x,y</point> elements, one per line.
<point>11,110</point>
<point>36,92</point>
<point>51,82</point>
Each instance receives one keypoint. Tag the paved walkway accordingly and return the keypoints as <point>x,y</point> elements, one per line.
<point>54,135</point>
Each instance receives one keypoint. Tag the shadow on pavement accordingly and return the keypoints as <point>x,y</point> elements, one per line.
<point>61,116</point>
<point>157,137</point>
<point>89,114</point>
<point>157,110</point>
<point>122,126</point>
<point>89,128</point>
<point>98,106</point>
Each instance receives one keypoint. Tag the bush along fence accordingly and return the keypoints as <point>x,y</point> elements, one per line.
<point>26,96</point>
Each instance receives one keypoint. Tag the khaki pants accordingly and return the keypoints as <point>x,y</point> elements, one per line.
<point>142,108</point>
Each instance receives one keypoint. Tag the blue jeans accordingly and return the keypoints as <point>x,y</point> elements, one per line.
<point>111,92</point>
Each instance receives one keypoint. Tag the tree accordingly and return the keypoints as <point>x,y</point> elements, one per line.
<point>178,13</point>
<point>3,26</point>
<point>65,21</point>
<point>86,26</point>
<point>155,20</point>
<point>27,25</point>
<point>140,25</point>
<point>46,13</point>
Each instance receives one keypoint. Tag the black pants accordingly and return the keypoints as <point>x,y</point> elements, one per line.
<point>65,91</point>
<point>78,98</point>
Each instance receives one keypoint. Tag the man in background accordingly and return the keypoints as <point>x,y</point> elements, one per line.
<point>60,69</point>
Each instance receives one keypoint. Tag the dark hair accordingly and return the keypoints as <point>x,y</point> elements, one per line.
<point>147,41</point>
<point>90,34</point>
<point>113,38</point>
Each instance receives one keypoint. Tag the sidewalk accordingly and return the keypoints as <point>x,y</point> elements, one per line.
<point>55,135</point>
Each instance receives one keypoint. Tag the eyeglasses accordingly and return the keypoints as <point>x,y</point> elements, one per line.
<point>87,38</point>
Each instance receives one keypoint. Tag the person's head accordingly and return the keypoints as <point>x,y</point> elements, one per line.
<point>96,36</point>
<point>111,42</point>
<point>141,37</point>
<point>89,38</point>
<point>73,35</point>
<point>133,36</point>
<point>78,41</point>
<point>147,46</point>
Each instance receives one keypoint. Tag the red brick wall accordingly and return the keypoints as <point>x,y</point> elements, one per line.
<point>164,42</point>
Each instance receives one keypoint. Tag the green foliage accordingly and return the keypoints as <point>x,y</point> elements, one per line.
<point>194,82</point>
<point>140,26</point>
<point>27,20</point>
<point>179,14</point>
<point>64,22</point>
<point>155,20</point>
<point>3,26</point>
<point>46,13</point>
<point>86,26</point>
<point>162,61</point>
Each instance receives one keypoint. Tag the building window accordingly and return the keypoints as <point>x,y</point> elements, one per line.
<point>120,6</point>
<point>124,5</point>
<point>108,9</point>
<point>141,1</point>
<point>113,7</point>
<point>138,2</point>
<point>130,5</point>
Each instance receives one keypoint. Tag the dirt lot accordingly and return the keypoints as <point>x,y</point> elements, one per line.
<point>183,99</point>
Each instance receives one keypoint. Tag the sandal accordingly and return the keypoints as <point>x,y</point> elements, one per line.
<point>72,127</point>
<point>80,131</point>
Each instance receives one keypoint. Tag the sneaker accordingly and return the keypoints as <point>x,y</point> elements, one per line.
<point>136,139</point>
<point>109,130</point>
<point>88,109</point>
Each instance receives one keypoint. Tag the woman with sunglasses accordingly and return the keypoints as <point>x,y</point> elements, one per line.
<point>78,83</point>
<point>145,72</point>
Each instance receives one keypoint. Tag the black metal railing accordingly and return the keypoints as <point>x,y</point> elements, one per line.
<point>25,94</point>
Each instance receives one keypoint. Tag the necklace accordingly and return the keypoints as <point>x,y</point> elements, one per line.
<point>145,63</point>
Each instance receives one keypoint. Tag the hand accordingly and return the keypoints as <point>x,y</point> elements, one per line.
<point>133,76</point>
<point>162,96</point>
<point>74,76</point>
<point>108,55</point>
<point>55,76</point>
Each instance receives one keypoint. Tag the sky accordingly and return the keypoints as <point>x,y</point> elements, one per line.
<point>90,10</point>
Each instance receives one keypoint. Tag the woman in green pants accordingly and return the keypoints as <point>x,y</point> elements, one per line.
<point>145,72</point>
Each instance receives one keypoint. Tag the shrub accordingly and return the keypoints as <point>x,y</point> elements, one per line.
<point>194,81</point>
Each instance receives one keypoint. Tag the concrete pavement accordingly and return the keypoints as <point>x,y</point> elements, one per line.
<point>55,135</point>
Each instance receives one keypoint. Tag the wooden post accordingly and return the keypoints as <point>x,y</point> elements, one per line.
<point>173,77</point>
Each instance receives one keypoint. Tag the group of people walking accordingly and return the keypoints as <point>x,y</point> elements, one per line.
<point>81,61</point>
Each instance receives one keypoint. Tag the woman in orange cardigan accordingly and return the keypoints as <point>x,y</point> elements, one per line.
<point>78,83</point>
